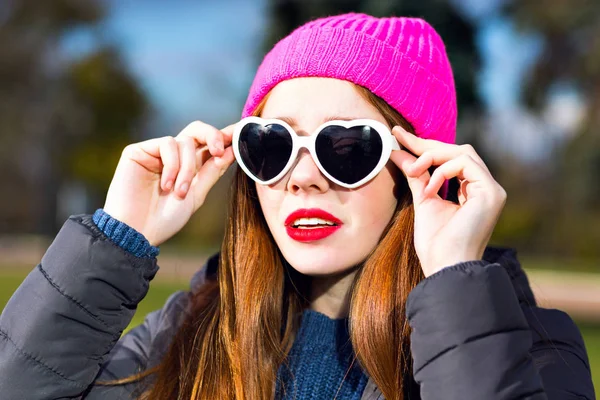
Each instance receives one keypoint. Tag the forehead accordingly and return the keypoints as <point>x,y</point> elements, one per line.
<point>310,101</point>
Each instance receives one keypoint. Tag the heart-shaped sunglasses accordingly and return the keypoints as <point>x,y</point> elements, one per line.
<point>349,153</point>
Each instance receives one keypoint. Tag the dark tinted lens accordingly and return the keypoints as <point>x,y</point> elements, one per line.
<point>349,154</point>
<point>265,150</point>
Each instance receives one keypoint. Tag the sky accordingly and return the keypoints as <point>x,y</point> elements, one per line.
<point>197,61</point>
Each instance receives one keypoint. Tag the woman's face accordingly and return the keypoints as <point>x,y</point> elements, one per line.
<point>363,213</point>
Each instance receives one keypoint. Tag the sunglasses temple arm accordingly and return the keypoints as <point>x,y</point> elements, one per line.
<point>395,144</point>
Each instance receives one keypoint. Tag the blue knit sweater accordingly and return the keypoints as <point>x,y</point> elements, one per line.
<point>319,365</point>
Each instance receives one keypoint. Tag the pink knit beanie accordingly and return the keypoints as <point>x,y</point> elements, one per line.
<point>402,60</point>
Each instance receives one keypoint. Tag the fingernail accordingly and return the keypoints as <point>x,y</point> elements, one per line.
<point>184,187</point>
<point>169,185</point>
<point>219,145</point>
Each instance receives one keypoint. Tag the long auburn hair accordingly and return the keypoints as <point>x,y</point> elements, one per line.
<point>241,324</point>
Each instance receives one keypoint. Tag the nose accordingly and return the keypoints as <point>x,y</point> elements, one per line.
<point>305,176</point>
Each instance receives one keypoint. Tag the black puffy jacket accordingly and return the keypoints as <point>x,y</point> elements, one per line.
<point>476,330</point>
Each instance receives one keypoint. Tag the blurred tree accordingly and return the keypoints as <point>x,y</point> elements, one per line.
<point>60,119</point>
<point>570,31</point>
<point>114,106</point>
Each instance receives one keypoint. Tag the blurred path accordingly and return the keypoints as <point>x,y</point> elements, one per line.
<point>576,293</point>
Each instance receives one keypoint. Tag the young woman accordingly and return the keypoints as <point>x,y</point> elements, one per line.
<point>346,271</point>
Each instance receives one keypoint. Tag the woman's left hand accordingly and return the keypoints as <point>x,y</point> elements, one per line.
<point>447,233</point>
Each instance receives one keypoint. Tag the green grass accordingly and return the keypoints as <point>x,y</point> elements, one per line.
<point>9,282</point>
<point>160,290</point>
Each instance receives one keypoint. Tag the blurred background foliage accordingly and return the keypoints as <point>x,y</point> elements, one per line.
<point>64,117</point>
<point>62,122</point>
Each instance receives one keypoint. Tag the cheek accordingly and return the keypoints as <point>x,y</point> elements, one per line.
<point>270,201</point>
<point>376,202</point>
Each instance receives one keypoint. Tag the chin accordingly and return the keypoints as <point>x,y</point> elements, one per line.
<point>320,262</point>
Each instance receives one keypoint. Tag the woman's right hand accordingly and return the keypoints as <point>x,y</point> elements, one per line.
<point>160,183</point>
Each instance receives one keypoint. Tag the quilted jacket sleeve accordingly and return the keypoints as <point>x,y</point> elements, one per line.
<point>478,334</point>
<point>139,349</point>
<point>62,323</point>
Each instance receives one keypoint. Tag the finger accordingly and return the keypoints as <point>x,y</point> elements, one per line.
<point>441,155</point>
<point>463,167</point>
<point>169,155</point>
<point>209,174</point>
<point>433,152</point>
<point>225,161</point>
<point>202,156</point>
<point>187,164</point>
<point>416,184</point>
<point>228,133</point>
<point>206,135</point>
<point>146,154</point>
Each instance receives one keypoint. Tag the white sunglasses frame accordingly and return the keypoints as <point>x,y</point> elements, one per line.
<point>389,143</point>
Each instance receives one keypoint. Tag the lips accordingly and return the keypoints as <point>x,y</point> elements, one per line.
<point>311,232</point>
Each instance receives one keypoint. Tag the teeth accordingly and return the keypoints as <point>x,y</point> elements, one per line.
<point>312,222</point>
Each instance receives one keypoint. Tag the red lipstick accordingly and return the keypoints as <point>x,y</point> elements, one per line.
<point>309,233</point>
